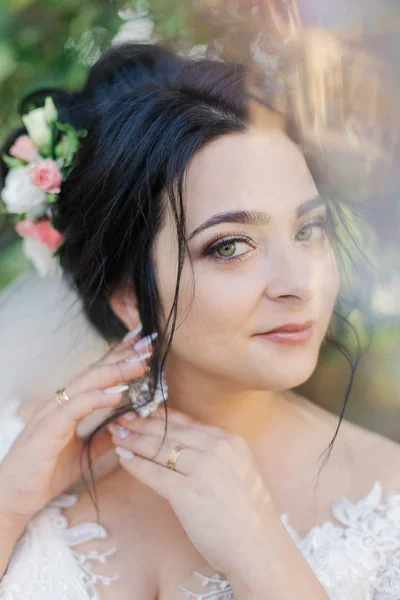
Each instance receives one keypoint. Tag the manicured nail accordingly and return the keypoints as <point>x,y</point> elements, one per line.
<point>129,416</point>
<point>121,432</point>
<point>144,411</point>
<point>116,389</point>
<point>137,358</point>
<point>132,334</point>
<point>144,342</point>
<point>124,453</point>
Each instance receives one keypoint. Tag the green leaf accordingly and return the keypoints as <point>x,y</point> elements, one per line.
<point>67,147</point>
<point>12,161</point>
<point>60,253</point>
<point>17,217</point>
<point>69,143</point>
<point>51,198</point>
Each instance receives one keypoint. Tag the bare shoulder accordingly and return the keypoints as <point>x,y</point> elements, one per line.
<point>372,455</point>
<point>379,455</point>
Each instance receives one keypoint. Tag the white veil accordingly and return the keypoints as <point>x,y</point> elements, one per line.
<point>45,337</point>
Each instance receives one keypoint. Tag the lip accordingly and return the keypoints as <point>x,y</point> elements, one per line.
<point>290,333</point>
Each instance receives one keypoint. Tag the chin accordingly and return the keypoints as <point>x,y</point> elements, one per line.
<point>287,374</point>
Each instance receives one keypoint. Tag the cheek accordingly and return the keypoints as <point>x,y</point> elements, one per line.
<point>212,320</point>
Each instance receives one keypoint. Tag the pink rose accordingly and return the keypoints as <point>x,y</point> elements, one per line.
<point>25,228</point>
<point>46,175</point>
<point>41,231</point>
<point>23,148</point>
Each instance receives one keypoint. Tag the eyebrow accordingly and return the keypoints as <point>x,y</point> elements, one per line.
<point>252,217</point>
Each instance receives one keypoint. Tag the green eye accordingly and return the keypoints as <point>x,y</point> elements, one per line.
<point>227,249</point>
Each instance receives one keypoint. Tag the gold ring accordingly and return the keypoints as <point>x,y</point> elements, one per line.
<point>174,456</point>
<point>61,396</point>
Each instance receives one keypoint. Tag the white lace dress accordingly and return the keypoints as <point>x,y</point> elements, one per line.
<point>357,559</point>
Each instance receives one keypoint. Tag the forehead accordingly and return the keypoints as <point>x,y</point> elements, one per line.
<point>254,170</point>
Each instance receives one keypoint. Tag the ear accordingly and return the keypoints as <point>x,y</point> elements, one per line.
<point>123,302</point>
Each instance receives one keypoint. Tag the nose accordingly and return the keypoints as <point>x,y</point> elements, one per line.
<point>291,273</point>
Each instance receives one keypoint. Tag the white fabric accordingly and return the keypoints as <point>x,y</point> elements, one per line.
<point>44,336</point>
<point>358,559</point>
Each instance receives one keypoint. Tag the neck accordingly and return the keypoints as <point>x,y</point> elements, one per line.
<point>213,401</point>
<point>274,424</point>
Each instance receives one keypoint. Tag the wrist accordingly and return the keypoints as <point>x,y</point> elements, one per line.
<point>12,526</point>
<point>11,529</point>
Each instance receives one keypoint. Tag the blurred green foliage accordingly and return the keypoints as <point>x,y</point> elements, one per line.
<point>46,43</point>
<point>43,43</point>
<point>50,43</point>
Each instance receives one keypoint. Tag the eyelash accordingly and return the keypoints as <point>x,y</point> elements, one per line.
<point>322,222</point>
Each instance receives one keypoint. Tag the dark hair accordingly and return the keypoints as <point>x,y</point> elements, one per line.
<point>147,111</point>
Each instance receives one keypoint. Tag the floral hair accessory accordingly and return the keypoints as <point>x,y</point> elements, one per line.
<point>38,164</point>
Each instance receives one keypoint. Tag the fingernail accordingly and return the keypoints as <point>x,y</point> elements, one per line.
<point>121,432</point>
<point>133,333</point>
<point>116,389</point>
<point>129,416</point>
<point>144,342</point>
<point>136,358</point>
<point>124,453</point>
<point>144,411</point>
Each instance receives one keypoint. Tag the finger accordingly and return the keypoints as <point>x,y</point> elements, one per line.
<point>149,447</point>
<point>128,341</point>
<point>133,336</point>
<point>137,344</point>
<point>174,418</point>
<point>108,375</point>
<point>61,420</point>
<point>198,439</point>
<point>117,355</point>
<point>123,350</point>
<point>162,480</point>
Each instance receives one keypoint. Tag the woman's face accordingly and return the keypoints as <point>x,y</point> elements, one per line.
<point>259,274</point>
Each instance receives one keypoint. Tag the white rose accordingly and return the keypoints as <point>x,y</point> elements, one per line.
<point>19,193</point>
<point>42,257</point>
<point>38,130</point>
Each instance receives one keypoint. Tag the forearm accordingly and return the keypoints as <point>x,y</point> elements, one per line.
<point>273,568</point>
<point>10,532</point>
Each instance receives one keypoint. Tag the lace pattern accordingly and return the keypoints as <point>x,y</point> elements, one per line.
<point>44,564</point>
<point>219,588</point>
<point>359,559</point>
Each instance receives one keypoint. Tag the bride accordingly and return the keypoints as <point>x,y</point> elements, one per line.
<point>191,233</point>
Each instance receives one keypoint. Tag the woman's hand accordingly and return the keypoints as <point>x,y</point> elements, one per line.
<point>45,459</point>
<point>216,491</point>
